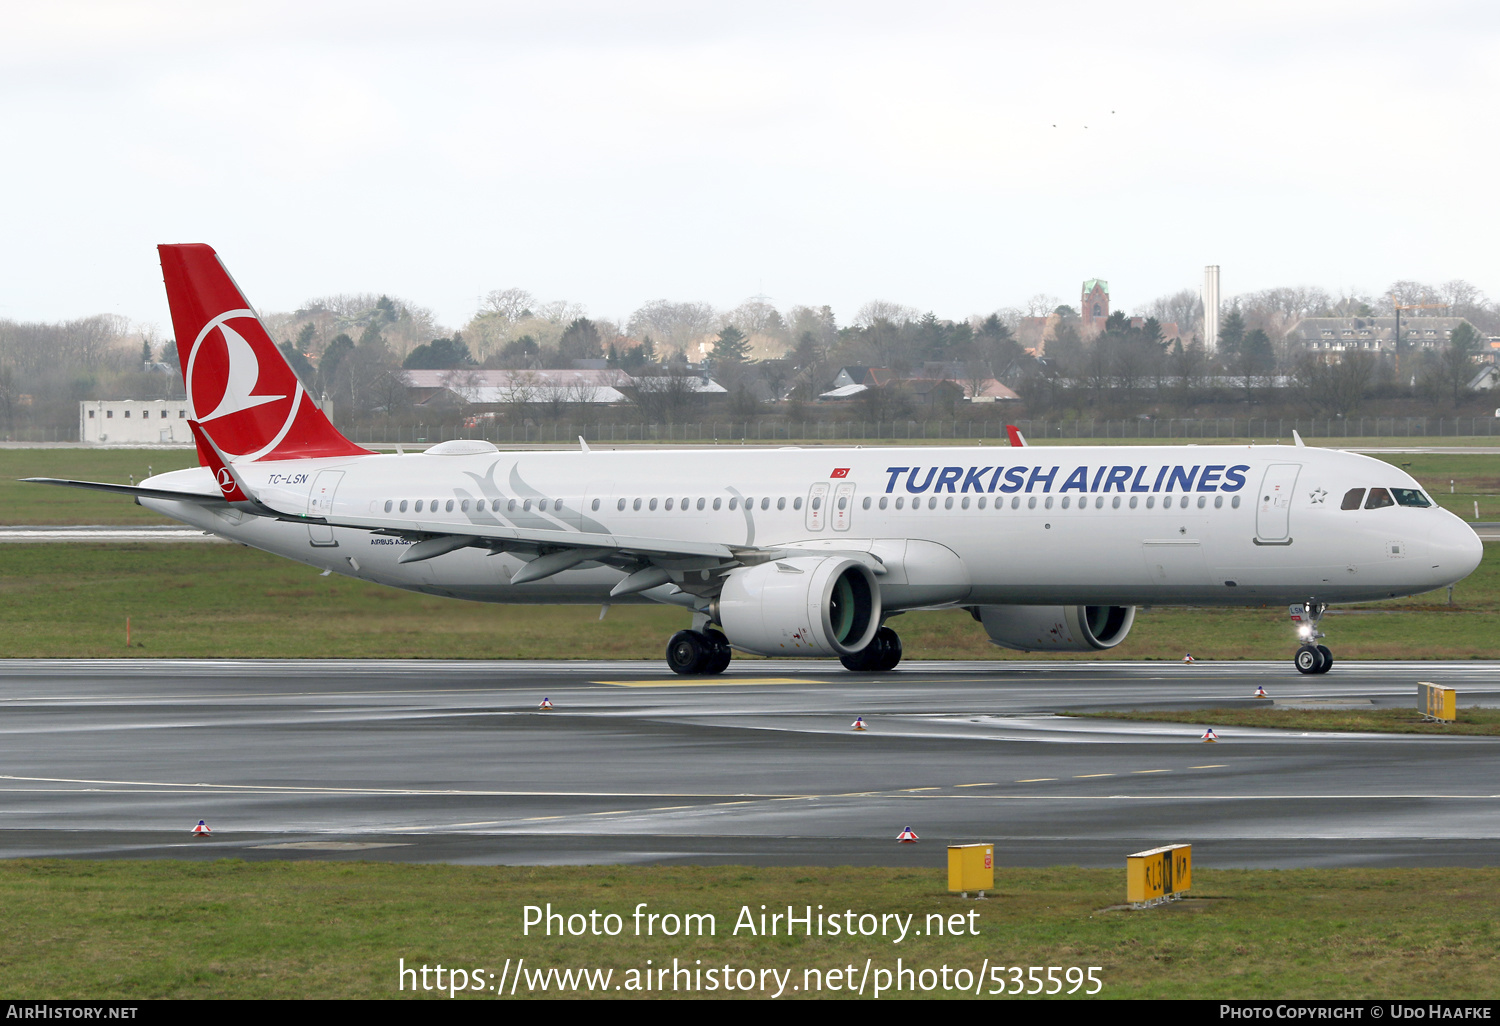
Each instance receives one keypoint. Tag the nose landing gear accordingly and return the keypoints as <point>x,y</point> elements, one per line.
<point>1311,657</point>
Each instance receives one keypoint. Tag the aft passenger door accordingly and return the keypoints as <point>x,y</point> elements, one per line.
<point>1273,504</point>
<point>320,504</point>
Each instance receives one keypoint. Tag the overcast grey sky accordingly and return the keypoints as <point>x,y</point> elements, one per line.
<point>614,153</point>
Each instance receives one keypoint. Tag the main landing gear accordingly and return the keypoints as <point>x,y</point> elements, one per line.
<point>706,651</point>
<point>698,652</point>
<point>1311,657</point>
<point>881,654</point>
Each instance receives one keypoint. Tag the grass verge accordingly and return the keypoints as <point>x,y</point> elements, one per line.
<point>166,929</point>
<point>1473,721</point>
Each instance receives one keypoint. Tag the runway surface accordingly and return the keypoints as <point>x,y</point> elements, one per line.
<point>453,761</point>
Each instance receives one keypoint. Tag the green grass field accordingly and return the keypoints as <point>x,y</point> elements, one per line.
<point>207,600</point>
<point>164,929</point>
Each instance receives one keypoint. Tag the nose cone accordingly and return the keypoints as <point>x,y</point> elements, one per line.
<point>1455,550</point>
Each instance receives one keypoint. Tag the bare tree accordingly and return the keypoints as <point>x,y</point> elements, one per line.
<point>1041,304</point>
<point>510,304</point>
<point>677,325</point>
<point>1334,388</point>
<point>882,310</point>
<point>666,396</point>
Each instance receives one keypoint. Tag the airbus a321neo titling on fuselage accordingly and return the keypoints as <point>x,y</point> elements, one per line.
<point>789,551</point>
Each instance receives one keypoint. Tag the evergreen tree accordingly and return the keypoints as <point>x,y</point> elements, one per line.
<point>300,364</point>
<point>145,353</point>
<point>1231,333</point>
<point>731,347</point>
<point>1257,354</point>
<point>341,346</point>
<point>581,341</point>
<point>439,354</point>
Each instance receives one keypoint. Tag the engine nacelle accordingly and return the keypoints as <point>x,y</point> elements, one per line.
<point>1055,628</point>
<point>806,605</point>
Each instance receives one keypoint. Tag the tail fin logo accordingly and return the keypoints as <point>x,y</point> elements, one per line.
<point>251,403</point>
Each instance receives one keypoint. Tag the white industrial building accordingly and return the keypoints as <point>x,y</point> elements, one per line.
<point>134,422</point>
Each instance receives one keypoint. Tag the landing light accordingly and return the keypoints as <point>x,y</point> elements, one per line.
<point>1305,631</point>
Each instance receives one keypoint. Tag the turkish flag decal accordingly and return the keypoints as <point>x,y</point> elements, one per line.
<point>840,472</point>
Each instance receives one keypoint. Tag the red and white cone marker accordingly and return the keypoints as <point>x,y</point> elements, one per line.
<point>1209,735</point>
<point>859,723</point>
<point>1188,658</point>
<point>546,705</point>
<point>202,829</point>
<point>1260,691</point>
<point>907,836</point>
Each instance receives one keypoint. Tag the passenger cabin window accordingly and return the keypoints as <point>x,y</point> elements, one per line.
<point>1379,497</point>
<point>1352,498</point>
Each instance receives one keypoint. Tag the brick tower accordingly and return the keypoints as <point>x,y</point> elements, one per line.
<point>1094,306</point>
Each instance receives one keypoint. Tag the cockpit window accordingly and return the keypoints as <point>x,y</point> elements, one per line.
<point>1411,497</point>
<point>1352,498</point>
<point>1379,497</point>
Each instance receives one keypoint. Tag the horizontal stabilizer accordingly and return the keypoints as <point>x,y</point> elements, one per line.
<point>139,492</point>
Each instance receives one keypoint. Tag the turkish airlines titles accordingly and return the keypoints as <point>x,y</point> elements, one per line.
<point>1217,477</point>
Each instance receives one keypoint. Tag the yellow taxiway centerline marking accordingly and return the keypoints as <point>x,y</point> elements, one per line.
<point>990,784</point>
<point>1217,765</point>
<point>1086,776</point>
<point>1036,780</point>
<point>689,682</point>
<point>919,789</point>
<point>1151,771</point>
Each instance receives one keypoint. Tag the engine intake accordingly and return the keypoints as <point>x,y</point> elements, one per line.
<point>1055,628</point>
<point>808,605</point>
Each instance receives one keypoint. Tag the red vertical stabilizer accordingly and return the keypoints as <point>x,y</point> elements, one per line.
<point>240,388</point>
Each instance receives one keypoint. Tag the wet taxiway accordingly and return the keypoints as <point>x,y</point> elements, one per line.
<point>453,761</point>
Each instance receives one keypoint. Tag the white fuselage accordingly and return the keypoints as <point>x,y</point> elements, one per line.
<point>1040,525</point>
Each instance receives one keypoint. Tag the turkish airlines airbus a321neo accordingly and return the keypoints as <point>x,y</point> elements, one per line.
<point>790,551</point>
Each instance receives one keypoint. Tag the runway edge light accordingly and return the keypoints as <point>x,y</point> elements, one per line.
<point>202,829</point>
<point>907,836</point>
<point>1209,735</point>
